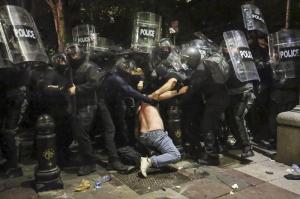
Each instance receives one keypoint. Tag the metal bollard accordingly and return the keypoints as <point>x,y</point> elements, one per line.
<point>47,173</point>
<point>174,123</point>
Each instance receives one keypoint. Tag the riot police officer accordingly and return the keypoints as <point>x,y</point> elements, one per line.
<point>284,58</point>
<point>17,49</point>
<point>13,95</point>
<point>259,48</point>
<point>117,85</point>
<point>240,85</point>
<point>209,79</point>
<point>60,110</point>
<point>82,92</point>
<point>257,33</point>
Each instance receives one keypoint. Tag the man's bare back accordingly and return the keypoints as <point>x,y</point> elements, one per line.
<point>149,118</point>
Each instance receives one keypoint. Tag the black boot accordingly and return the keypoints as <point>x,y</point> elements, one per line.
<point>209,159</point>
<point>86,169</point>
<point>129,156</point>
<point>11,171</point>
<point>117,165</point>
<point>247,151</point>
<point>14,172</point>
<point>210,155</point>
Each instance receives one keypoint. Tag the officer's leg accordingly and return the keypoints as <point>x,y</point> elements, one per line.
<point>215,106</point>
<point>63,137</point>
<point>207,126</point>
<point>14,109</point>
<point>230,121</point>
<point>240,111</point>
<point>81,128</point>
<point>109,136</point>
<point>191,106</point>
<point>119,119</point>
<point>273,111</point>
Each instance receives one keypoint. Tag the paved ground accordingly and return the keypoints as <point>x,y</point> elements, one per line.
<point>259,178</point>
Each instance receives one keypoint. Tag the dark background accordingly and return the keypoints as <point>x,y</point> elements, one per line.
<point>113,18</point>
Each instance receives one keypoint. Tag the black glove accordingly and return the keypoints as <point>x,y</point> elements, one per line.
<point>153,102</point>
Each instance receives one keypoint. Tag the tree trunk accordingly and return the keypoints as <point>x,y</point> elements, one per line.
<point>57,11</point>
<point>287,14</point>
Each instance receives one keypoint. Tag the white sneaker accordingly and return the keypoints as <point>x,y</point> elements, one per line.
<point>145,165</point>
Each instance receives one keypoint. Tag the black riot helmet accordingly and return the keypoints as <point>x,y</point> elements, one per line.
<point>128,66</point>
<point>128,69</point>
<point>206,46</point>
<point>165,42</point>
<point>165,47</point>
<point>203,46</point>
<point>75,54</point>
<point>191,57</point>
<point>60,61</point>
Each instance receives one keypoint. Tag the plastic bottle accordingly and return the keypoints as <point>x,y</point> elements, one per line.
<point>101,180</point>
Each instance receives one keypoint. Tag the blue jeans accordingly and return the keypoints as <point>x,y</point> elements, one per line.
<point>160,141</point>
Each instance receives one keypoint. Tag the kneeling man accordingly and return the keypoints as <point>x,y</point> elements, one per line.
<point>153,135</point>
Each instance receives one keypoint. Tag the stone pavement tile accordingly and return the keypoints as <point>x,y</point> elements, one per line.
<point>71,172</point>
<point>274,165</point>
<point>204,188</point>
<point>230,177</point>
<point>115,182</point>
<point>71,183</point>
<point>111,192</point>
<point>169,193</point>
<point>57,194</point>
<point>107,191</point>
<point>258,170</point>
<point>230,160</point>
<point>290,185</point>
<point>24,181</point>
<point>263,191</point>
<point>258,157</point>
<point>18,193</point>
<point>194,173</point>
<point>231,180</point>
<point>252,181</point>
<point>184,164</point>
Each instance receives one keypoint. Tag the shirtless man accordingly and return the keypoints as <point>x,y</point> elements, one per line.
<point>152,133</point>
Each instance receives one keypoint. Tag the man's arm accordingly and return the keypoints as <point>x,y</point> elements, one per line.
<point>169,85</point>
<point>170,94</point>
<point>128,90</point>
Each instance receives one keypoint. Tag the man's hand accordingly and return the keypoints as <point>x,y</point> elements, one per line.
<point>154,96</point>
<point>72,90</point>
<point>140,85</point>
<point>183,90</point>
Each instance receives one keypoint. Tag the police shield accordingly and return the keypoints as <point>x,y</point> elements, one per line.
<point>240,56</point>
<point>253,18</point>
<point>102,46</point>
<point>85,35</point>
<point>146,31</point>
<point>284,51</point>
<point>19,38</point>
